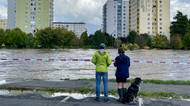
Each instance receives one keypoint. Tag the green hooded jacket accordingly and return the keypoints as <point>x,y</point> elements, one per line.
<point>102,61</point>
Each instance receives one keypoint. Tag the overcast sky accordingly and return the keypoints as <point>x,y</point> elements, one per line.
<point>90,11</point>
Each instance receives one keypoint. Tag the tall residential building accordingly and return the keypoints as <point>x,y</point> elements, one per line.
<point>150,16</point>
<point>116,17</point>
<point>30,15</point>
<point>77,27</point>
<point>3,24</point>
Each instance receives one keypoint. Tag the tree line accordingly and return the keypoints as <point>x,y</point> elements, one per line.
<point>62,38</point>
<point>52,38</point>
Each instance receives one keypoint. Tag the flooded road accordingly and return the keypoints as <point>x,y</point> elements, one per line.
<point>35,64</point>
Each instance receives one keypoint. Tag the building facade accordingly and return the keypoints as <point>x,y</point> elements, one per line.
<point>3,24</point>
<point>150,16</point>
<point>30,15</point>
<point>77,27</point>
<point>116,17</point>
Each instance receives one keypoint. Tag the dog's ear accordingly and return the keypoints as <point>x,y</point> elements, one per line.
<point>138,79</point>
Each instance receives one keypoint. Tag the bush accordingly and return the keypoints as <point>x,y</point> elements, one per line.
<point>54,38</point>
<point>144,40</point>
<point>2,34</point>
<point>160,41</point>
<point>15,39</point>
<point>129,46</point>
<point>101,37</point>
<point>176,42</point>
<point>186,41</point>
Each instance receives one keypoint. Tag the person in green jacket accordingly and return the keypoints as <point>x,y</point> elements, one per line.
<point>102,60</point>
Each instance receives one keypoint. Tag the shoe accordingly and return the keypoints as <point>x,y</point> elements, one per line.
<point>106,99</point>
<point>121,95</point>
<point>97,99</point>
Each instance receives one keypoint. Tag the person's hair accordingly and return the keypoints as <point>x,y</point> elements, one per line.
<point>121,51</point>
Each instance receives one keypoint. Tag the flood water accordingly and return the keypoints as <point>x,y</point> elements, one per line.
<point>34,64</point>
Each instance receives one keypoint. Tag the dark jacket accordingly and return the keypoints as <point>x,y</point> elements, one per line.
<point>122,62</point>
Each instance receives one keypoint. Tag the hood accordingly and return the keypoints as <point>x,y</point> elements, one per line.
<point>123,58</point>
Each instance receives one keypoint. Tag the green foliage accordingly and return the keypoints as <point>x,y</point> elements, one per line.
<point>101,37</point>
<point>186,41</point>
<point>30,41</point>
<point>160,42</point>
<point>84,39</point>
<point>180,25</point>
<point>143,40</point>
<point>98,38</point>
<point>176,42</point>
<point>110,40</point>
<point>2,34</point>
<point>180,29</point>
<point>49,38</point>
<point>130,46</point>
<point>133,36</point>
<point>53,38</point>
<point>15,39</point>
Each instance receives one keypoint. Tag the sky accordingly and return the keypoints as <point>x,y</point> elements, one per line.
<point>90,11</point>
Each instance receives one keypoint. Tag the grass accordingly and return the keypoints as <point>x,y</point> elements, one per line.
<point>171,82</point>
<point>162,95</point>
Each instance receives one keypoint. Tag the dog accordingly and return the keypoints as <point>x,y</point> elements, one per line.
<point>133,90</point>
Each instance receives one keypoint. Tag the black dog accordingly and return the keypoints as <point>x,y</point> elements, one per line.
<point>132,91</point>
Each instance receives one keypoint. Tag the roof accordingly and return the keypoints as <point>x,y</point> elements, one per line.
<point>69,23</point>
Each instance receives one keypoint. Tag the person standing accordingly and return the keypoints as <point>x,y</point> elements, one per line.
<point>102,60</point>
<point>122,63</point>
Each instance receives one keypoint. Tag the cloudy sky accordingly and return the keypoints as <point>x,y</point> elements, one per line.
<point>90,11</point>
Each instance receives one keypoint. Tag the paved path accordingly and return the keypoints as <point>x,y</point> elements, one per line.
<point>38,100</point>
<point>178,89</point>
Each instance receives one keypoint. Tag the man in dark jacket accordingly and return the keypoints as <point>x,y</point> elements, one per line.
<point>122,63</point>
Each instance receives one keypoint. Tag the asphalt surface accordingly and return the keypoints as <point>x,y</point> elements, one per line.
<point>38,100</point>
<point>34,99</point>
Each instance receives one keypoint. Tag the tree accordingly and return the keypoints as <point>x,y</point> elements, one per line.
<point>84,39</point>
<point>186,41</point>
<point>49,38</point>
<point>53,38</point>
<point>2,34</point>
<point>143,40</point>
<point>132,37</point>
<point>176,42</point>
<point>110,40</point>
<point>30,41</point>
<point>160,41</point>
<point>15,38</point>
<point>180,25</point>
<point>98,38</point>
<point>68,37</point>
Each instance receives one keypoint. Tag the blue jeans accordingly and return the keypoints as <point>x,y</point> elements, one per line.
<point>99,77</point>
